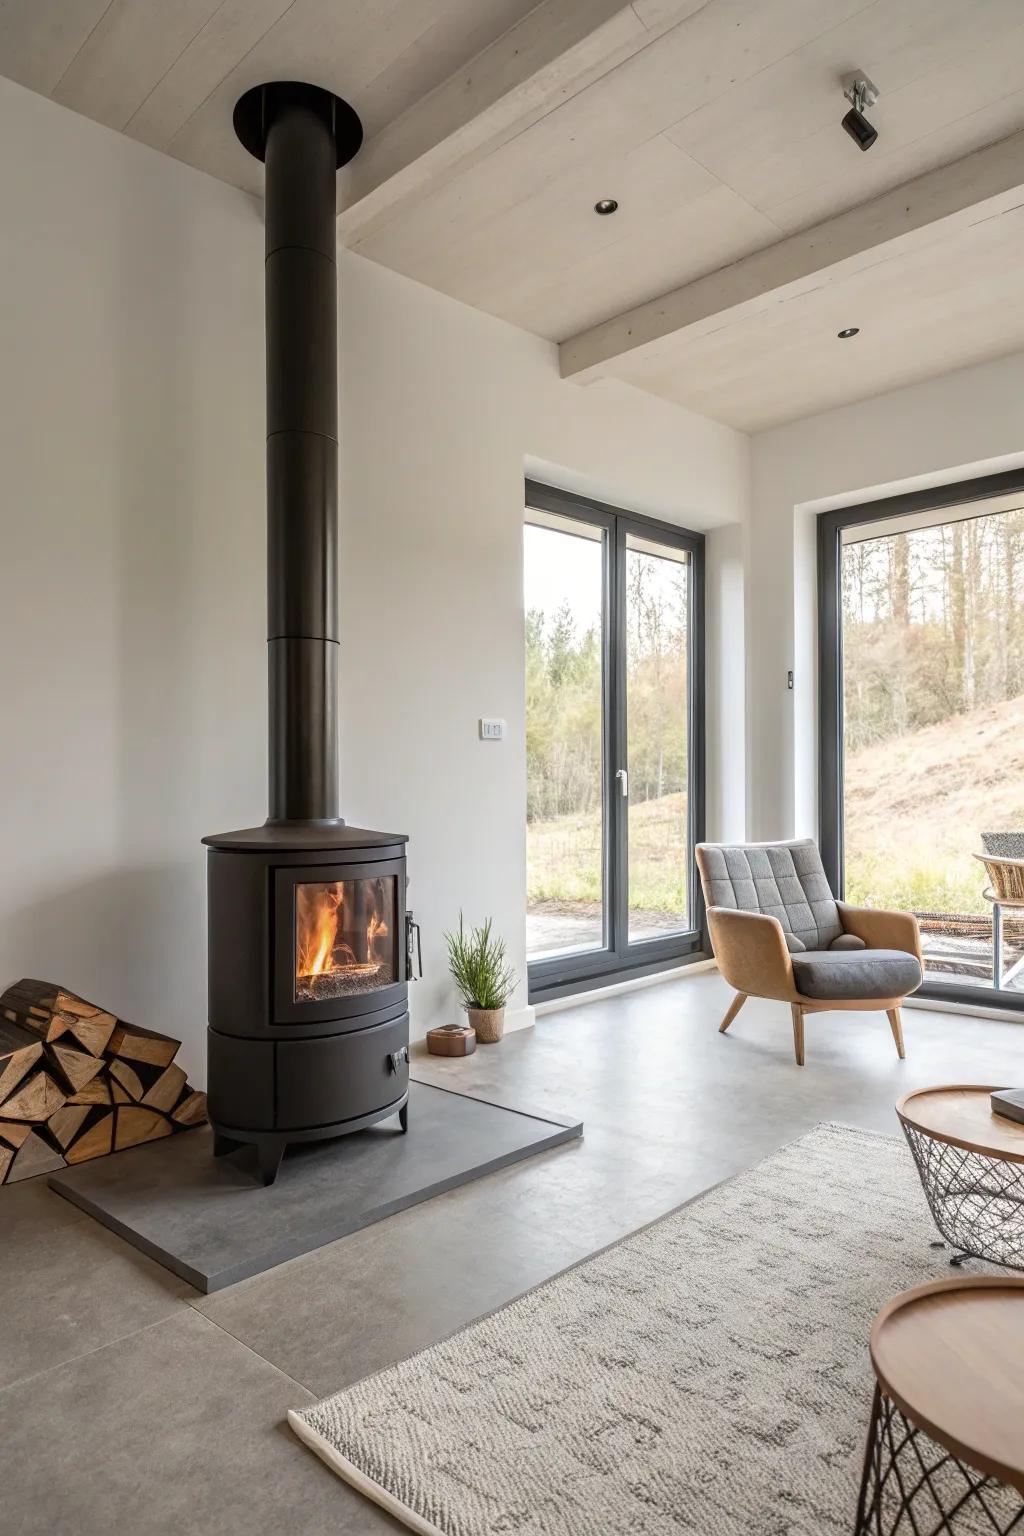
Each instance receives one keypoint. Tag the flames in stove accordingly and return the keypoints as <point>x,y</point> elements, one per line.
<point>343,938</point>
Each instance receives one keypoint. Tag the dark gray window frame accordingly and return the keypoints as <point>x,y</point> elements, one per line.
<point>620,961</point>
<point>830,679</point>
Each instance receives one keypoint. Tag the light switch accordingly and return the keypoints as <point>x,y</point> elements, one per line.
<point>492,730</point>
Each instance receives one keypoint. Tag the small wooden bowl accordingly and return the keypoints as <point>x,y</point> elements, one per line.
<point>451,1040</point>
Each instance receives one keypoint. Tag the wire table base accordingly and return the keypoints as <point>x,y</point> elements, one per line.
<point>913,1487</point>
<point>976,1201</point>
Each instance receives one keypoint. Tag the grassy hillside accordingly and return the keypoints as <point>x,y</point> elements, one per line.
<point>915,810</point>
<point>564,858</point>
<point>916,807</point>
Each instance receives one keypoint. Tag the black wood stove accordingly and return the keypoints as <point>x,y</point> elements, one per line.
<point>310,944</point>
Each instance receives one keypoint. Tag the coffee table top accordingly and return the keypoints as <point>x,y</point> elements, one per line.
<point>962,1116</point>
<point>951,1356</point>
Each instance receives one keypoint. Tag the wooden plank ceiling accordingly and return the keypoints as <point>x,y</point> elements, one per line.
<point>493,126</point>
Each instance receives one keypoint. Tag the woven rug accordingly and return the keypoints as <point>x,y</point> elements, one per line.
<point>709,1374</point>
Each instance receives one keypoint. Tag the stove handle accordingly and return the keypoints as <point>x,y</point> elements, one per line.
<point>413,949</point>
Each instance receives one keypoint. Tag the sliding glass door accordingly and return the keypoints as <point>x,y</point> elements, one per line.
<point>614,721</point>
<point>923,716</point>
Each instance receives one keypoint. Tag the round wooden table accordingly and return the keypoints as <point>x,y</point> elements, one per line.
<point>971,1164</point>
<point>945,1449</point>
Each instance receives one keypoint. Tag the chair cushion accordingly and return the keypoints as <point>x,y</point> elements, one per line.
<point>783,880</point>
<point>851,973</point>
<point>847,941</point>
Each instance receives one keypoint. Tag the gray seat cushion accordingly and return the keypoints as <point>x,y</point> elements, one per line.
<point>783,880</point>
<point>832,974</point>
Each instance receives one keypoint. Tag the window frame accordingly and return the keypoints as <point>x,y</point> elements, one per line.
<point>831,526</point>
<point>618,960</point>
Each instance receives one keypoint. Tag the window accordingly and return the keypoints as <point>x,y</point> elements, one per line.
<point>614,722</point>
<point>922,709</point>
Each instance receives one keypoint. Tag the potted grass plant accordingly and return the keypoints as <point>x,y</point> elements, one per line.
<point>483,977</point>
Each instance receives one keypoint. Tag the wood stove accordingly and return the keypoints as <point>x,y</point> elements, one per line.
<point>310,944</point>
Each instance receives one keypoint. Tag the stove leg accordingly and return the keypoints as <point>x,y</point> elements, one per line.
<point>403,1117</point>
<point>269,1155</point>
<point>222,1145</point>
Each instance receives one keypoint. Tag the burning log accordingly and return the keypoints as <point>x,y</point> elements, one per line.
<point>76,1082</point>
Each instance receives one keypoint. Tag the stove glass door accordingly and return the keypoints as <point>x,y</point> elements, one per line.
<point>345,937</point>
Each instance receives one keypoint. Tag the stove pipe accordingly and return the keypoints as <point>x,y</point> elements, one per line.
<point>303,134</point>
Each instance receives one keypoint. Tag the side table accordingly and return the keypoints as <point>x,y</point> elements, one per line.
<point>945,1450</point>
<point>971,1164</point>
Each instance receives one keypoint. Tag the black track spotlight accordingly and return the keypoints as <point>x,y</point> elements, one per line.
<point>861,93</point>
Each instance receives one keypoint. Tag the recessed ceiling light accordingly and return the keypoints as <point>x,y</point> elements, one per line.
<point>605,205</point>
<point>850,330</point>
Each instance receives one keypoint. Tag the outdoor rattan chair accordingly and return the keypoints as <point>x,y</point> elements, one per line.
<point>1004,863</point>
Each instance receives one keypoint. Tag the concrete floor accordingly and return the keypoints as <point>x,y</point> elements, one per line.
<point>131,1402</point>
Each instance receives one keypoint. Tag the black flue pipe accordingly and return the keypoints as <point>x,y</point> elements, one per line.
<point>303,134</point>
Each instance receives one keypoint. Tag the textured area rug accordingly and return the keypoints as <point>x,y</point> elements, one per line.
<point>709,1374</point>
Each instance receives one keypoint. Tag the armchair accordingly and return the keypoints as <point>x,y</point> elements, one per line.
<point>778,932</point>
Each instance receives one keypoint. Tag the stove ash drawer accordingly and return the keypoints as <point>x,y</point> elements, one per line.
<point>341,1077</point>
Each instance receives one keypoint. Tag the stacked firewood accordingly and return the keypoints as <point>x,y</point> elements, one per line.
<point>76,1082</point>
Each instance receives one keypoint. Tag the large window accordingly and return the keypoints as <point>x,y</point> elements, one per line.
<point>923,715</point>
<point>614,740</point>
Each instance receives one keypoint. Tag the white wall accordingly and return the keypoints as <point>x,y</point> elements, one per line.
<point>966,423</point>
<point>132,566</point>
<point>131,557</point>
<point>440,409</point>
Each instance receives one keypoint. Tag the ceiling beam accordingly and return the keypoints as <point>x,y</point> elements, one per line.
<point>980,186</point>
<point>554,52</point>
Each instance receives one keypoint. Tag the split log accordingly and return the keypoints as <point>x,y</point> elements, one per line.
<point>77,1066</point>
<point>93,1033</point>
<point>19,1051</point>
<point>136,1125</point>
<point>166,1091</point>
<point>14,1133</point>
<point>33,1004</point>
<point>34,1156</point>
<point>76,1082</point>
<point>96,1092</point>
<point>129,1079</point>
<point>191,1110</point>
<point>97,1141</point>
<point>37,1099</point>
<point>67,1122</point>
<point>135,1044</point>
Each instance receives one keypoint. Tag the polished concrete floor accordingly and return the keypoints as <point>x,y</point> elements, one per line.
<point>130,1402</point>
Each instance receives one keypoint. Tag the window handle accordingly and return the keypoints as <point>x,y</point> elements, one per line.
<point>623,778</point>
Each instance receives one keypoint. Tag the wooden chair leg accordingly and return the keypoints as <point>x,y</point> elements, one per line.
<point>896,1024</point>
<point>734,1008</point>
<point>798,1033</point>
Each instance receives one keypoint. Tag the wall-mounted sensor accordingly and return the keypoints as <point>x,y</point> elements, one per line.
<point>861,94</point>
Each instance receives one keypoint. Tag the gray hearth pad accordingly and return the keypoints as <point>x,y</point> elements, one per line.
<point>211,1221</point>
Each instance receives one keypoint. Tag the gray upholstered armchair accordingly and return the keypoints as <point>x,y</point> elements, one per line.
<point>777,931</point>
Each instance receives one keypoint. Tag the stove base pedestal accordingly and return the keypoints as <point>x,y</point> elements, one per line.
<point>270,1145</point>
